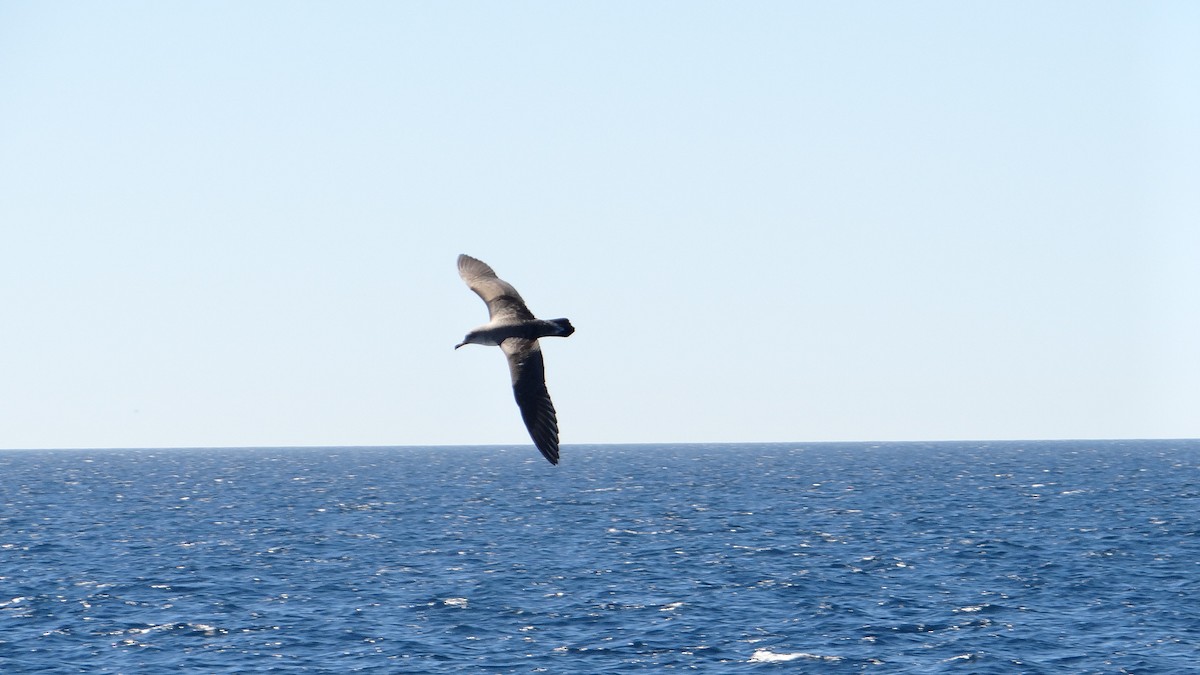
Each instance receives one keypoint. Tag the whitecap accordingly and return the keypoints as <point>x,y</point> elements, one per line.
<point>768,656</point>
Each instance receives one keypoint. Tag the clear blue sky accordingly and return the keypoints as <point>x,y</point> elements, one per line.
<point>231,223</point>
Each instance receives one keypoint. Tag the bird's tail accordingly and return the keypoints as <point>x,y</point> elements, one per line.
<point>564,327</point>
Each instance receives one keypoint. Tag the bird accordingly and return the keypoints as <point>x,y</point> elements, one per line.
<point>516,330</point>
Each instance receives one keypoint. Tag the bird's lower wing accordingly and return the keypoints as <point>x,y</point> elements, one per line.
<point>529,387</point>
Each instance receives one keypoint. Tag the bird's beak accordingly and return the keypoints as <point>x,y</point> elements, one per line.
<point>459,345</point>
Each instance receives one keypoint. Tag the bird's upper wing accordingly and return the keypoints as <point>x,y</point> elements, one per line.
<point>503,301</point>
<point>529,387</point>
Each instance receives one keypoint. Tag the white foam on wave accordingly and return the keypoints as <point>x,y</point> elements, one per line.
<point>768,656</point>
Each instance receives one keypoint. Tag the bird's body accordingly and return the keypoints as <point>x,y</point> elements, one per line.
<point>516,331</point>
<point>493,334</point>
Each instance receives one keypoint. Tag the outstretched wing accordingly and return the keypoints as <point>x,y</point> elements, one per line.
<point>529,387</point>
<point>503,301</point>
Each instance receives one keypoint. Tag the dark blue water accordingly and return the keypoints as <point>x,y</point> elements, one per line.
<point>835,558</point>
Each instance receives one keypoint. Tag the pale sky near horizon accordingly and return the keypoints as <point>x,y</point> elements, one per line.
<point>235,224</point>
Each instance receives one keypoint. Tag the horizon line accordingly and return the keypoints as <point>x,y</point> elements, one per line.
<point>368,446</point>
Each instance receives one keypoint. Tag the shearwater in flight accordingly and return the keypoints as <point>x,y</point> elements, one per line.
<point>514,328</point>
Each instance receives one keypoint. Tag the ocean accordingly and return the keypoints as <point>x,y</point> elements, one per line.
<point>972,557</point>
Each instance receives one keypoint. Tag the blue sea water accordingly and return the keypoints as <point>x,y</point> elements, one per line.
<point>1014,557</point>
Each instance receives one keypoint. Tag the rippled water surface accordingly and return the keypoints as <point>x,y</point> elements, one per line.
<point>842,558</point>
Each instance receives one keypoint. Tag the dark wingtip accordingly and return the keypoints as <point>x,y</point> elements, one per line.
<point>550,452</point>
